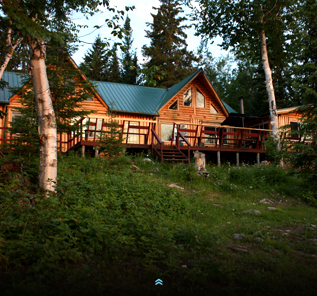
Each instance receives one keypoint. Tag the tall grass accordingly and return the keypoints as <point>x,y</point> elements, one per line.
<point>115,226</point>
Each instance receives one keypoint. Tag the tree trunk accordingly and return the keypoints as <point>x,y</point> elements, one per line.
<point>46,117</point>
<point>10,53</point>
<point>270,89</point>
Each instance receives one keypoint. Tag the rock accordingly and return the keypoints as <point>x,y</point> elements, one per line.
<point>271,208</point>
<point>148,159</point>
<point>258,239</point>
<point>252,211</point>
<point>204,174</point>
<point>314,240</point>
<point>266,201</point>
<point>184,266</point>
<point>156,169</point>
<point>287,230</point>
<point>238,236</point>
<point>175,186</point>
<point>312,225</point>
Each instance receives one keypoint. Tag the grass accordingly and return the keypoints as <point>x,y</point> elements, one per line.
<point>115,226</point>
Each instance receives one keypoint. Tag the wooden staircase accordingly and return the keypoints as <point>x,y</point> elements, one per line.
<point>168,152</point>
<point>172,153</point>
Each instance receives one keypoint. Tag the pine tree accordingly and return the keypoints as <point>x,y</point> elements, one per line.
<point>114,74</point>
<point>168,47</point>
<point>95,64</point>
<point>130,60</point>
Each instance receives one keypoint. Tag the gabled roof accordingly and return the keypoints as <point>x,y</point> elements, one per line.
<point>142,99</point>
<point>15,80</point>
<point>173,90</point>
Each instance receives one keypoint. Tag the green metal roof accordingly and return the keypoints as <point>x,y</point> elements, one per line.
<point>121,97</point>
<point>141,99</point>
<point>229,109</point>
<point>14,80</point>
<point>130,98</point>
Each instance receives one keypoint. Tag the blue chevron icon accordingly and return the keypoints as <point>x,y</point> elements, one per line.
<point>158,282</point>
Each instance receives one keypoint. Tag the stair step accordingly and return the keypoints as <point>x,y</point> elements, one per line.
<point>174,156</point>
<point>175,159</point>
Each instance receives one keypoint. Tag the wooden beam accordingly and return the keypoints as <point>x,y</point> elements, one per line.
<point>83,151</point>
<point>218,158</point>
<point>237,159</point>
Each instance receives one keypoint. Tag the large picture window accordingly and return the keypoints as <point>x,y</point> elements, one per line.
<point>166,132</point>
<point>200,99</point>
<point>188,97</point>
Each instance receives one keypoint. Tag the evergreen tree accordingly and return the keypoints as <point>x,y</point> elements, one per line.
<point>168,47</point>
<point>305,159</point>
<point>130,60</point>
<point>114,74</point>
<point>95,64</point>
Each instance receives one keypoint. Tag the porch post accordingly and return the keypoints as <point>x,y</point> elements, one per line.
<point>218,158</point>
<point>96,153</point>
<point>237,159</point>
<point>258,158</point>
<point>83,151</point>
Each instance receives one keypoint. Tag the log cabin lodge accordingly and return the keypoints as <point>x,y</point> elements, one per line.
<point>172,123</point>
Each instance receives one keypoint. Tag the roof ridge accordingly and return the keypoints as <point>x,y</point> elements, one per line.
<point>136,85</point>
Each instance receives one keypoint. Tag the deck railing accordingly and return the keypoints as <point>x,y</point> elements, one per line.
<point>146,133</point>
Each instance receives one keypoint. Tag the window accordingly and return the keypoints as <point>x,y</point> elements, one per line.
<point>166,132</point>
<point>210,139</point>
<point>295,127</point>
<point>200,99</point>
<point>95,125</point>
<point>213,110</point>
<point>174,105</point>
<point>133,138</point>
<point>188,97</point>
<point>16,116</point>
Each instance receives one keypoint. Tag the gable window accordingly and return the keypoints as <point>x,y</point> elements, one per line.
<point>213,109</point>
<point>188,97</point>
<point>174,105</point>
<point>200,99</point>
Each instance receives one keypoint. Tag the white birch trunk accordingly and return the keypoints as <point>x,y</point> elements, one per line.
<point>270,89</point>
<point>10,53</point>
<point>46,117</point>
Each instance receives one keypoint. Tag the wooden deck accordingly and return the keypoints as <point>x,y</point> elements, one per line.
<point>179,145</point>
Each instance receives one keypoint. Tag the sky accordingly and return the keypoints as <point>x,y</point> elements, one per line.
<point>139,17</point>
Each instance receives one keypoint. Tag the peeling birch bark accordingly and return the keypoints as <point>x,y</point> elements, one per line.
<point>46,117</point>
<point>270,89</point>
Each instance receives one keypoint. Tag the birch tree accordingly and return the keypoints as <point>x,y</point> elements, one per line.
<point>33,19</point>
<point>245,27</point>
